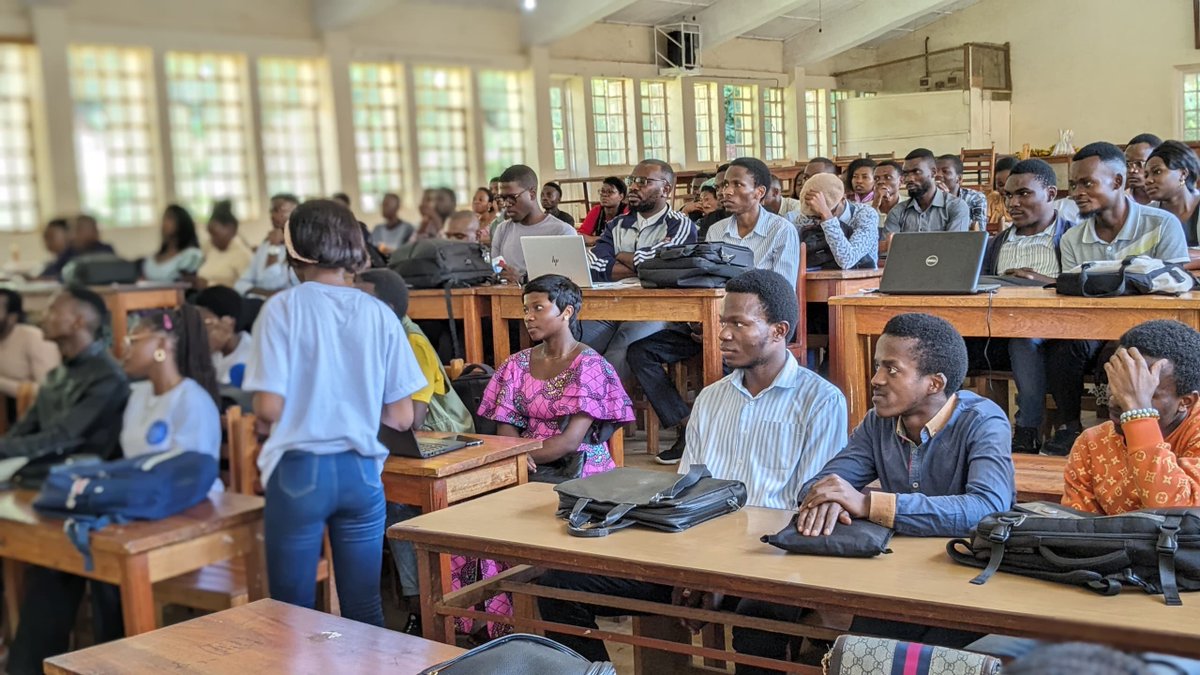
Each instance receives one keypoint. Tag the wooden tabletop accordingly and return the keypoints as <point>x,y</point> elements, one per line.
<point>630,291</point>
<point>917,582</point>
<point>494,449</point>
<point>220,511</point>
<point>262,637</point>
<point>839,275</point>
<point>51,287</point>
<point>1039,478</point>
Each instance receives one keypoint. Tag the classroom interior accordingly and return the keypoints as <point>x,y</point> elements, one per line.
<point>118,108</point>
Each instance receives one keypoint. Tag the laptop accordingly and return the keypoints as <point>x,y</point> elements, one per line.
<point>935,263</point>
<point>406,444</point>
<point>566,256</point>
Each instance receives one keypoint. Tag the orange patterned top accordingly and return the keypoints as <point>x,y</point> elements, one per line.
<point>1108,474</point>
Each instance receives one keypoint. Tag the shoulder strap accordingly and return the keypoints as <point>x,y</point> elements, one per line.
<point>687,480</point>
<point>455,346</point>
<point>1167,544</point>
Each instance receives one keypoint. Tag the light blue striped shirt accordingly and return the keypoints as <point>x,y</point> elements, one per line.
<point>774,241</point>
<point>773,442</point>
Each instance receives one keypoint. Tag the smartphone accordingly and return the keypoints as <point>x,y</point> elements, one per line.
<point>471,441</point>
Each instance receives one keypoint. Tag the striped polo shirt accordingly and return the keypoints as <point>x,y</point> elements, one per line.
<point>774,242</point>
<point>1147,231</point>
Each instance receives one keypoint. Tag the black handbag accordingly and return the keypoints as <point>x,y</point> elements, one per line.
<point>613,500</point>
<point>442,263</point>
<point>701,265</point>
<point>470,386</point>
<point>521,654</point>
<point>859,539</point>
<point>1157,551</point>
<point>1135,275</point>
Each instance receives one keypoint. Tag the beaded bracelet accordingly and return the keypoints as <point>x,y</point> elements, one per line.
<point>1138,414</point>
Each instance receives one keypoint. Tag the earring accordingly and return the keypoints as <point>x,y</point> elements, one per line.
<point>160,355</point>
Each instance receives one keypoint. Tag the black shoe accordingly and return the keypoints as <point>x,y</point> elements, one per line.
<point>413,625</point>
<point>673,454</point>
<point>1027,440</point>
<point>1060,444</point>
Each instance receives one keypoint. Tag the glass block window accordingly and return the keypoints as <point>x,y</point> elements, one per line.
<point>740,123</point>
<point>706,98</point>
<point>502,105</point>
<point>654,120</point>
<point>773,124</point>
<point>815,114</point>
<point>18,180</point>
<point>442,114</point>
<point>113,99</point>
<point>609,115</point>
<point>209,112</point>
<point>558,125</point>
<point>375,91</point>
<point>289,97</point>
<point>1191,106</point>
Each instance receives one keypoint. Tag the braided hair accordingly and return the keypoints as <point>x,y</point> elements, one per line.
<point>192,356</point>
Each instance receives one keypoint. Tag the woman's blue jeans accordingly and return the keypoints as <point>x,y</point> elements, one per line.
<point>308,493</point>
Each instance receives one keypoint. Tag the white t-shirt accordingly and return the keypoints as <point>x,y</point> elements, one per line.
<point>184,418</point>
<point>225,365</point>
<point>336,355</point>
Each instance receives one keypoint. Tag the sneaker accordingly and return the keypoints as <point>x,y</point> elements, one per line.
<point>413,625</point>
<point>673,454</point>
<point>1060,444</point>
<point>1026,440</point>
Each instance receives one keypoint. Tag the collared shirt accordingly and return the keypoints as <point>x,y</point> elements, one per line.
<point>1035,251</point>
<point>268,270</point>
<point>1147,231</point>
<point>772,442</point>
<point>945,214</point>
<point>944,485</point>
<point>848,251</point>
<point>392,237</point>
<point>78,409</point>
<point>788,206</point>
<point>774,242</point>
<point>643,237</point>
<point>976,205</point>
<point>934,425</point>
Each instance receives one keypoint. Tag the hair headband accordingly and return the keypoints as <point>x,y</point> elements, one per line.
<point>287,242</point>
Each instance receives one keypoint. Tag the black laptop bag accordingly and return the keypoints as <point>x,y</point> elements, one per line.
<point>700,265</point>
<point>442,263</point>
<point>101,269</point>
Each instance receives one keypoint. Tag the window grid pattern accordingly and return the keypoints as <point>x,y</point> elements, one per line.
<point>774,147</point>
<point>207,103</point>
<point>375,92</point>
<point>502,105</point>
<point>1191,106</point>
<point>114,134</point>
<point>835,95</point>
<point>815,112</point>
<point>609,115</point>
<point>706,150</point>
<point>18,181</point>
<point>558,126</point>
<point>654,120</point>
<point>740,126</point>
<point>442,114</point>
<point>289,95</point>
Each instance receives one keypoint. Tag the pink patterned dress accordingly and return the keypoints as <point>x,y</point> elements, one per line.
<point>537,408</point>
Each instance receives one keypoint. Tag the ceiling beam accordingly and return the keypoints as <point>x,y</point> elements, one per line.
<point>554,20</point>
<point>725,20</point>
<point>331,15</point>
<point>851,28</point>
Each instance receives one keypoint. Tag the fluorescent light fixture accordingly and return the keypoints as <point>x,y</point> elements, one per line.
<point>529,5</point>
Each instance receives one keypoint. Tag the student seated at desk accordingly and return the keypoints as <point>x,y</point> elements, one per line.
<point>85,239</point>
<point>776,203</point>
<point>859,181</point>
<point>524,217</point>
<point>847,231</point>
<point>269,272</point>
<point>949,179</point>
<point>179,256</point>
<point>940,454</point>
<point>26,356</point>
<point>610,207</point>
<point>231,348</point>
<point>330,365</point>
<point>1170,179</point>
<point>56,238</point>
<point>226,256</point>
<point>927,209</point>
<point>770,424</point>
<point>887,186</point>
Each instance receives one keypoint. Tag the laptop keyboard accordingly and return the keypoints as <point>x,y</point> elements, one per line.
<point>431,448</point>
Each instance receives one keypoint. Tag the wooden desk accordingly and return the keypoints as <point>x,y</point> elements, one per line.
<point>430,304</point>
<point>136,555</point>
<point>822,285</point>
<point>1012,312</point>
<point>701,305</point>
<point>456,476</point>
<point>917,582</point>
<point>261,637</point>
<point>1039,478</point>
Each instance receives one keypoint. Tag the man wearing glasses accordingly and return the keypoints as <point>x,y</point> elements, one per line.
<point>626,243</point>
<point>517,195</point>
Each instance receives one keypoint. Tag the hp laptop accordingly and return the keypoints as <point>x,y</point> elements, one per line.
<point>564,255</point>
<point>406,444</point>
<point>935,263</point>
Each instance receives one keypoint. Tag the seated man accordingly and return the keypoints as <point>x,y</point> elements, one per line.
<point>462,226</point>
<point>1147,456</point>
<point>551,197</point>
<point>1137,153</point>
<point>840,234</point>
<point>85,239</point>
<point>26,357</point>
<point>887,187</point>
<point>927,209</point>
<point>940,454</point>
<point>776,247</point>
<point>523,217</point>
<point>222,310</point>
<point>776,203</point>
<point>949,178</point>
<point>770,424</point>
<point>1113,227</point>
<point>816,165</point>
<point>1030,250</point>
<point>626,243</point>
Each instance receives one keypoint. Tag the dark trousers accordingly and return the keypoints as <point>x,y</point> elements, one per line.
<point>646,359</point>
<point>48,614</point>
<point>1067,361</point>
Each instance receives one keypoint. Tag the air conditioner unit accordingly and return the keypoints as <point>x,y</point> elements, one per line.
<point>677,49</point>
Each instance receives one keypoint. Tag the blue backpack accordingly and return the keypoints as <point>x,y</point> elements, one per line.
<point>148,487</point>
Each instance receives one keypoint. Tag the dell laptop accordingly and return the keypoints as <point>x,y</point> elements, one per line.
<point>406,444</point>
<point>566,256</point>
<point>935,263</point>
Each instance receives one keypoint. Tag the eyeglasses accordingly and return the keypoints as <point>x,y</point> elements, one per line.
<point>508,199</point>
<point>1136,164</point>
<point>131,338</point>
<point>641,181</point>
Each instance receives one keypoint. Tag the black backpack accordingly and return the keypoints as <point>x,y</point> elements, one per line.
<point>818,252</point>
<point>101,269</point>
<point>469,386</point>
<point>442,263</point>
<point>1155,550</point>
<point>701,265</point>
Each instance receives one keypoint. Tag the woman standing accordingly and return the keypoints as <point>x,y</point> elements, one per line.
<point>179,256</point>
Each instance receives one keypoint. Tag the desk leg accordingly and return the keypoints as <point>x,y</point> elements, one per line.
<point>435,499</point>
<point>119,316</point>
<point>499,333</point>
<point>434,580</point>
<point>473,329</point>
<point>137,595</point>
<point>522,469</point>
<point>847,361</point>
<point>255,561</point>
<point>14,590</point>
<point>712,341</point>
